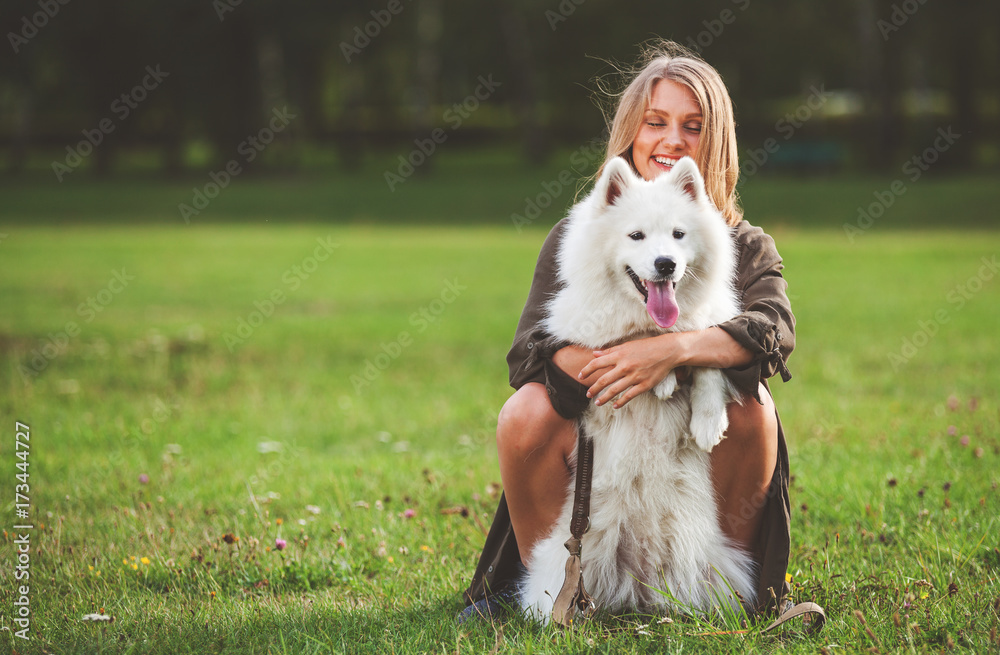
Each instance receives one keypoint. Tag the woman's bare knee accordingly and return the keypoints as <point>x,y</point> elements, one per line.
<point>750,420</point>
<point>528,422</point>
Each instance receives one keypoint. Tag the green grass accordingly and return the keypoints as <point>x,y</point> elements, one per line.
<point>890,508</point>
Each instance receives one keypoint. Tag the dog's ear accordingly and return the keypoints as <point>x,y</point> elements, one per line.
<point>687,178</point>
<point>617,177</point>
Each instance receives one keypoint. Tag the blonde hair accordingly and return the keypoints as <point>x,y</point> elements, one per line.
<point>716,157</point>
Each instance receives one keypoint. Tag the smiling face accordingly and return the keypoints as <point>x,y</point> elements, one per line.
<point>671,129</point>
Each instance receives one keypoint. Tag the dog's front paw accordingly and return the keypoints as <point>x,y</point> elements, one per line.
<point>707,430</point>
<point>665,389</point>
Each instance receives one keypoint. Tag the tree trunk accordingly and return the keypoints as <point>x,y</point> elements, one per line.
<point>525,83</point>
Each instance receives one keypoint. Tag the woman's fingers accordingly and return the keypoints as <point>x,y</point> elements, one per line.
<point>613,390</point>
<point>625,388</point>
<point>619,378</point>
<point>628,369</point>
<point>599,362</point>
<point>612,383</point>
<point>629,394</point>
<point>602,383</point>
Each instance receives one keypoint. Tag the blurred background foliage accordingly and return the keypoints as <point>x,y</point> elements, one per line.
<point>370,77</point>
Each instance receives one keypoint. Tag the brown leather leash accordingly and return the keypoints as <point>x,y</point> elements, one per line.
<point>815,625</point>
<point>573,597</point>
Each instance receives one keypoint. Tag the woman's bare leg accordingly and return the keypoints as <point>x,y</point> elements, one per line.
<point>742,467</point>
<point>535,445</point>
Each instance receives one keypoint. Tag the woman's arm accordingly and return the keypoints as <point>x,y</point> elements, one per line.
<point>637,366</point>
<point>751,347</point>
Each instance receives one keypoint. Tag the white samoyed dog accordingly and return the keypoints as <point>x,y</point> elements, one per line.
<point>640,258</point>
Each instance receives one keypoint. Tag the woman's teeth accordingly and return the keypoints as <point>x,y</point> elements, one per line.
<point>663,161</point>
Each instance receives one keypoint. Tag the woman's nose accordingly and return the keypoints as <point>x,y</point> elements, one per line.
<point>672,137</point>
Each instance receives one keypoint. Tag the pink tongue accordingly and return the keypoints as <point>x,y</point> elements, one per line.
<point>661,304</point>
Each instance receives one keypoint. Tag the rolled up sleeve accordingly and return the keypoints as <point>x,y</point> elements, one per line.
<point>766,326</point>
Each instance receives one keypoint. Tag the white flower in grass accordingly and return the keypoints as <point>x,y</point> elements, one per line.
<point>265,447</point>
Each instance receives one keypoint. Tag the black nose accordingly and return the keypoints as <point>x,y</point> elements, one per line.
<point>664,265</point>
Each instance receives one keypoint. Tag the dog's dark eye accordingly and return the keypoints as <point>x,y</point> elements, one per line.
<point>678,234</point>
<point>637,236</point>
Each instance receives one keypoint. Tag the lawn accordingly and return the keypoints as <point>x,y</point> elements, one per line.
<point>278,436</point>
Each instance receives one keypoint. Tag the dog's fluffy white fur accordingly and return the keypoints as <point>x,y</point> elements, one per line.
<point>654,523</point>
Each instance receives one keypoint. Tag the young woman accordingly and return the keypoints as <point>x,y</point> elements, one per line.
<point>675,106</point>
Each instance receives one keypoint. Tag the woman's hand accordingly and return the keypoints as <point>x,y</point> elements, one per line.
<point>633,367</point>
<point>637,366</point>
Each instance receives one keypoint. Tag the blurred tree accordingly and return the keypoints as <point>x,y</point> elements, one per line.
<point>372,75</point>
<point>524,78</point>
